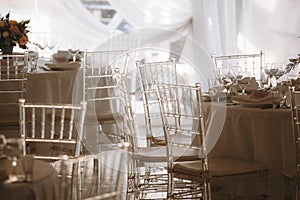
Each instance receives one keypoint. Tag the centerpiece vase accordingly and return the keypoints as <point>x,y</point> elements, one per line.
<point>6,49</point>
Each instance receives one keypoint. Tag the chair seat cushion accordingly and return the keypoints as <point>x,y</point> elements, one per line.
<point>183,139</point>
<point>104,117</point>
<point>159,154</point>
<point>221,167</point>
<point>290,173</point>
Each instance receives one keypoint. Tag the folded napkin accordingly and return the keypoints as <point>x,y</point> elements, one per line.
<point>268,98</point>
<point>64,56</point>
<point>253,85</point>
<point>61,57</point>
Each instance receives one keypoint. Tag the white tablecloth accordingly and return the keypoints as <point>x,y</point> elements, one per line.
<point>256,134</point>
<point>50,86</point>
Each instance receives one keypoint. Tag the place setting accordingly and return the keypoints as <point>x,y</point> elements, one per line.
<point>64,61</point>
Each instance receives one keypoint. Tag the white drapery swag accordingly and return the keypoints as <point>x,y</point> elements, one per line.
<point>221,27</point>
<point>69,19</point>
<point>224,27</point>
<point>248,26</point>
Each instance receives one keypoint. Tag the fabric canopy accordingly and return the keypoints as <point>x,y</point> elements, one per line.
<point>69,20</point>
<point>220,27</point>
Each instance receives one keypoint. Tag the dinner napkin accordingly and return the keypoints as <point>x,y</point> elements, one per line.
<point>253,99</point>
<point>61,57</point>
<point>64,56</point>
<point>253,85</point>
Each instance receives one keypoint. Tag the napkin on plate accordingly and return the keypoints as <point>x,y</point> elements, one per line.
<point>254,98</point>
<point>64,57</point>
<point>61,57</point>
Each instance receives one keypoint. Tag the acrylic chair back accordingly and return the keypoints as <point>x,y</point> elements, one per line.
<point>52,130</point>
<point>13,78</point>
<point>181,107</point>
<point>149,73</point>
<point>295,115</point>
<point>128,124</point>
<point>100,89</point>
<point>79,177</point>
<point>252,63</point>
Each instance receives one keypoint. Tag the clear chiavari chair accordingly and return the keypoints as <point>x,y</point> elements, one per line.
<point>149,73</point>
<point>13,77</point>
<point>293,174</point>
<point>52,130</point>
<point>180,107</point>
<point>78,177</point>
<point>253,63</point>
<point>147,178</point>
<point>100,90</point>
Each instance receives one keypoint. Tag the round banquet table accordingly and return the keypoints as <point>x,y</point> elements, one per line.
<point>256,134</point>
<point>42,187</point>
<point>50,86</point>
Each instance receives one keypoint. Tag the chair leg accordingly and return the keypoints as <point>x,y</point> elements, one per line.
<point>296,192</point>
<point>170,189</point>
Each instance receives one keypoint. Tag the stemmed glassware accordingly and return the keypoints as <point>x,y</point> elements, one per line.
<point>222,75</point>
<point>233,72</point>
<point>274,71</point>
<point>280,71</point>
<point>73,51</point>
<point>33,57</point>
<point>215,87</point>
<point>13,149</point>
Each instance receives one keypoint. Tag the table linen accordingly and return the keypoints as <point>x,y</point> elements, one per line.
<point>257,134</point>
<point>43,186</point>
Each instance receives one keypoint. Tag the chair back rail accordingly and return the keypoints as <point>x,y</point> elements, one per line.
<point>56,125</point>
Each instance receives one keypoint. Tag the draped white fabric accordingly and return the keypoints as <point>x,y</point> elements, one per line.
<point>221,27</point>
<point>234,26</point>
<point>74,24</point>
<point>169,14</point>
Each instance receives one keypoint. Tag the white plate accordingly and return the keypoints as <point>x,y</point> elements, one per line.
<point>256,105</point>
<point>63,66</point>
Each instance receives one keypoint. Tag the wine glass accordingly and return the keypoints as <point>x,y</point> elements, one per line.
<point>41,42</point>
<point>214,88</point>
<point>73,51</point>
<point>33,57</point>
<point>233,71</point>
<point>243,80</point>
<point>271,69</point>
<point>13,150</point>
<point>224,78</point>
<point>280,71</point>
<point>283,89</point>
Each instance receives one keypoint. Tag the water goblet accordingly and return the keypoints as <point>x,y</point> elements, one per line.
<point>224,77</point>
<point>283,89</point>
<point>233,71</point>
<point>213,87</point>
<point>13,150</point>
<point>267,72</point>
<point>33,57</point>
<point>73,51</point>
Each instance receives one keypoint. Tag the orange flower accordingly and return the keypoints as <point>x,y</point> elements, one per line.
<point>12,22</point>
<point>13,32</point>
<point>23,40</point>
<point>14,28</point>
<point>5,34</point>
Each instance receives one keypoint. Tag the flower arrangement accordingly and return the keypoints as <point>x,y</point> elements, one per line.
<point>13,33</point>
<point>293,62</point>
